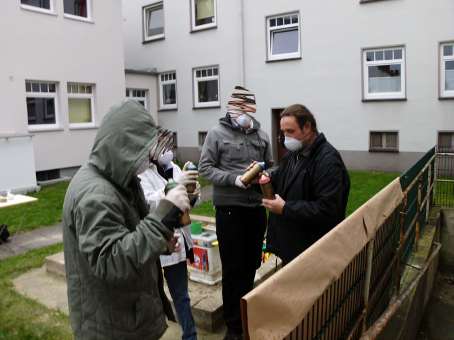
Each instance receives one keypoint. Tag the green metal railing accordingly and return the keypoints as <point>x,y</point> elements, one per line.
<point>363,292</point>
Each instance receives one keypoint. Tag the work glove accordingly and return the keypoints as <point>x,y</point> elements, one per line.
<point>187,177</point>
<point>178,197</point>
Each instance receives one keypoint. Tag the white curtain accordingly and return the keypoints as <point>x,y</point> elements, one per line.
<point>384,84</point>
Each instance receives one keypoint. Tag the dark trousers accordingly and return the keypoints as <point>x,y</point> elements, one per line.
<point>240,233</point>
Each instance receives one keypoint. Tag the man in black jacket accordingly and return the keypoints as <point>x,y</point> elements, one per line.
<point>311,186</point>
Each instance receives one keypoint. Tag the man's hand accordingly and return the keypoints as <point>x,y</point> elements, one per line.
<point>172,244</point>
<point>276,206</point>
<point>239,184</point>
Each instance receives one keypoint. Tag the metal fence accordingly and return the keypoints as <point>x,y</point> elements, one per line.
<point>352,303</point>
<point>444,190</point>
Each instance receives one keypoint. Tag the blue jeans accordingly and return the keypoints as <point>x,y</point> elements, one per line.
<point>177,281</point>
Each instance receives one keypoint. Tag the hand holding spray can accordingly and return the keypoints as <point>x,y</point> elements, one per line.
<point>252,173</point>
<point>266,186</point>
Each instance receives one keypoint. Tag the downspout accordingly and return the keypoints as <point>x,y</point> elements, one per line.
<point>242,57</point>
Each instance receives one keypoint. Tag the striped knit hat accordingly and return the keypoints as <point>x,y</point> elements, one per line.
<point>241,101</point>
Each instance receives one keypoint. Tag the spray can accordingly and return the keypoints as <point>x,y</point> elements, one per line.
<point>185,219</point>
<point>190,188</point>
<point>252,173</point>
<point>266,186</point>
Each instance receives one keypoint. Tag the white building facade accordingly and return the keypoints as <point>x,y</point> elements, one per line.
<point>378,75</point>
<point>62,69</point>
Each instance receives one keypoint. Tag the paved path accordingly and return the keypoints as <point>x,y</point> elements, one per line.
<point>22,242</point>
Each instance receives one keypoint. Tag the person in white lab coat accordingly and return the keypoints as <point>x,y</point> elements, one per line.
<point>153,182</point>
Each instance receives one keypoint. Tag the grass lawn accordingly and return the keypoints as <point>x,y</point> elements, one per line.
<point>23,318</point>
<point>46,211</point>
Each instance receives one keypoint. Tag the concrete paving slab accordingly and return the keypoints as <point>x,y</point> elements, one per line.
<point>38,238</point>
<point>50,290</point>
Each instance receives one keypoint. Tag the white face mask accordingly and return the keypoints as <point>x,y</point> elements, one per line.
<point>144,166</point>
<point>292,144</point>
<point>165,159</point>
<point>244,120</point>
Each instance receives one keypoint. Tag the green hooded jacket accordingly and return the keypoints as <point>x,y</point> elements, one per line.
<point>111,242</point>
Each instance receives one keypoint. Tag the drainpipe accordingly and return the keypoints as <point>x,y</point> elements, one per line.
<point>243,57</point>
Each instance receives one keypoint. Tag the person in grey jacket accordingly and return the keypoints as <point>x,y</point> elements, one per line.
<point>229,148</point>
<point>111,241</point>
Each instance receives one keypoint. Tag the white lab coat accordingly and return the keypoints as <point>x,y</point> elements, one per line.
<point>153,185</point>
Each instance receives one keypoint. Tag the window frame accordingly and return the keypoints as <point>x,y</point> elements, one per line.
<point>383,96</point>
<point>451,149</point>
<point>144,99</point>
<point>146,38</point>
<point>384,148</point>
<point>54,95</point>
<point>195,28</point>
<point>90,96</point>
<point>195,87</point>
<point>201,134</point>
<point>444,94</point>
<point>161,83</point>
<point>88,18</point>
<point>51,10</point>
<point>282,28</point>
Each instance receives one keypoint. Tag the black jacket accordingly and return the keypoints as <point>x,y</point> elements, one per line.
<point>315,188</point>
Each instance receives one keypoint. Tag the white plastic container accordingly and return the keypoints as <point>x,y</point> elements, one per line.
<point>207,262</point>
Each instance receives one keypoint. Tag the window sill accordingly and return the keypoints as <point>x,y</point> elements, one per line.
<point>366,1</point>
<point>152,40</point>
<point>365,100</point>
<point>166,109</point>
<point>283,59</point>
<point>88,127</point>
<point>202,28</point>
<point>384,150</point>
<point>215,106</point>
<point>76,18</point>
<point>45,129</point>
<point>38,10</point>
<point>450,97</point>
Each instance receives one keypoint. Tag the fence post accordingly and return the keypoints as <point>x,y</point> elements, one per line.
<point>370,257</point>
<point>403,214</point>
<point>435,175</point>
<point>418,212</point>
<point>428,193</point>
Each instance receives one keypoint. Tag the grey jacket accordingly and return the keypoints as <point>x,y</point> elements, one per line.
<point>111,242</point>
<point>226,153</point>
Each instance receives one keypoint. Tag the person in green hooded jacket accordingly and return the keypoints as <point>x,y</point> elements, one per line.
<point>111,241</point>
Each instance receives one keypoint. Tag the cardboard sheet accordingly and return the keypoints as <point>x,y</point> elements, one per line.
<point>279,304</point>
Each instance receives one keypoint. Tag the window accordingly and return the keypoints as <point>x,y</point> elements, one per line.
<point>446,141</point>
<point>202,136</point>
<point>283,37</point>
<point>168,90</point>
<point>385,141</point>
<point>41,100</point>
<point>80,105</point>
<point>203,14</point>
<point>138,95</point>
<point>384,73</point>
<point>153,22</point>
<point>39,5</point>
<point>79,9</point>
<point>447,70</point>
<point>206,86</point>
